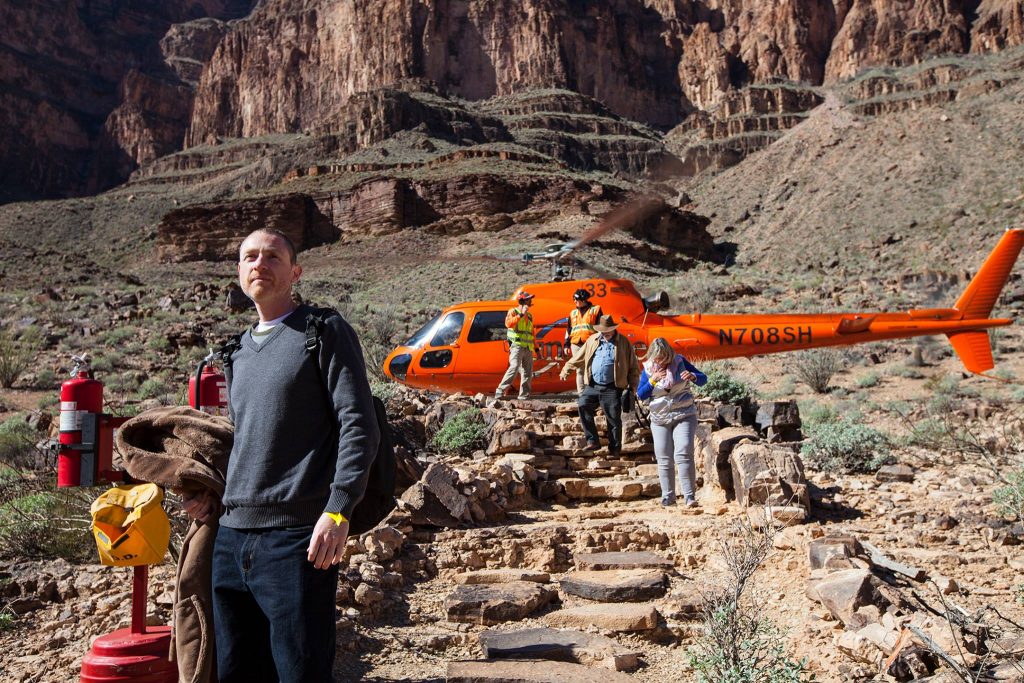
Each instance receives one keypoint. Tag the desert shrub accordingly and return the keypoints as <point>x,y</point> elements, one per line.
<point>906,372</point>
<point>868,380</point>
<point>17,352</point>
<point>1010,497</point>
<point>17,443</point>
<point>736,643</point>
<point>7,618</point>
<point>723,387</point>
<point>383,389</point>
<point>377,329</point>
<point>46,379</point>
<point>158,342</point>
<point>813,413</point>
<point>816,367</point>
<point>461,434</point>
<point>39,521</point>
<point>696,292</point>
<point>153,387</point>
<point>845,447</point>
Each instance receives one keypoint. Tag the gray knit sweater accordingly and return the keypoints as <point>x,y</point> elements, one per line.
<point>297,455</point>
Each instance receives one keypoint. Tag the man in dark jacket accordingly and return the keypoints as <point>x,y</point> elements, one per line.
<point>611,373</point>
<point>305,437</point>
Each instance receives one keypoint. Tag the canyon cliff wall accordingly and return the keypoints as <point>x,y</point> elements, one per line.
<point>86,90</point>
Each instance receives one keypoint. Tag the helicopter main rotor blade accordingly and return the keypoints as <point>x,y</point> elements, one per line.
<point>600,272</point>
<point>619,218</point>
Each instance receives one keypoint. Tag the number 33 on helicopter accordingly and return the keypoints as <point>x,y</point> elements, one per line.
<point>464,349</point>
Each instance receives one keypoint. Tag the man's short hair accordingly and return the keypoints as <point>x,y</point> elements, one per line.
<point>289,245</point>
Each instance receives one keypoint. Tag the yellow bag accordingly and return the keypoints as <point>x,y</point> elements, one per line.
<point>130,526</point>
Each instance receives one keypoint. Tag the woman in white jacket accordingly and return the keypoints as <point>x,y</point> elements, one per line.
<point>665,382</point>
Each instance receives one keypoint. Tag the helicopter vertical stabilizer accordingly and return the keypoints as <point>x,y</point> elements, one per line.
<point>978,299</point>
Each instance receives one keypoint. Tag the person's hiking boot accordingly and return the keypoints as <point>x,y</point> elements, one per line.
<point>691,502</point>
<point>592,447</point>
<point>668,501</point>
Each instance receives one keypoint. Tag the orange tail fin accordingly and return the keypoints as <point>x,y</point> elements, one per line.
<point>974,350</point>
<point>980,296</point>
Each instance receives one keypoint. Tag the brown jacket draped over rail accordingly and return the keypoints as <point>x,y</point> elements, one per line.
<point>185,449</point>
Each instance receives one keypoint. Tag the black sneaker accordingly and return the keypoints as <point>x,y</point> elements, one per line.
<point>668,502</point>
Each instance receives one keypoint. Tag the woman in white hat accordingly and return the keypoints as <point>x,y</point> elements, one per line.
<point>666,380</point>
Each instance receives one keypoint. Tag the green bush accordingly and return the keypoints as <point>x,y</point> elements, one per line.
<point>755,653</point>
<point>845,447</point>
<point>17,352</point>
<point>1010,498</point>
<point>17,443</point>
<point>869,380</point>
<point>462,433</point>
<point>47,379</point>
<point>45,524</point>
<point>723,387</point>
<point>153,387</point>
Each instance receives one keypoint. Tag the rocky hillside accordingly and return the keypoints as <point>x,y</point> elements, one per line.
<point>90,90</point>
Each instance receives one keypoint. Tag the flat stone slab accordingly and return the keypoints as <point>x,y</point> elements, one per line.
<point>620,560</point>
<point>501,576</point>
<point>560,645</point>
<point>617,585</point>
<point>496,603</point>
<point>530,671</point>
<point>610,616</point>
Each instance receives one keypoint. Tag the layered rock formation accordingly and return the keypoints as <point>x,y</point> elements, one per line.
<point>66,67</point>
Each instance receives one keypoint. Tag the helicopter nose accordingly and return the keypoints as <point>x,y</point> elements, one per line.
<point>397,367</point>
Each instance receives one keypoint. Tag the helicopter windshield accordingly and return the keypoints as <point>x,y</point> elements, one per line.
<point>423,334</point>
<point>448,331</point>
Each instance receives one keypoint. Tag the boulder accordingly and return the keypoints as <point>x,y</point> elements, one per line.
<point>508,441</point>
<point>489,604</point>
<point>844,592</point>
<point>560,645</point>
<point>717,470</point>
<point>777,414</point>
<point>629,585</point>
<point>832,551</point>
<point>763,474</point>
<point>776,515</point>
<point>896,472</point>
<point>441,479</point>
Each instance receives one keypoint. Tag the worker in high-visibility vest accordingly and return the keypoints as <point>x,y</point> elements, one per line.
<point>520,353</point>
<point>581,327</point>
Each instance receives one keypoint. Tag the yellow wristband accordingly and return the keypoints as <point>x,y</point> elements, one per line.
<point>337,517</point>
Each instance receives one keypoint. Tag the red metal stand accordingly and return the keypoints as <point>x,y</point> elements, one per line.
<point>138,654</point>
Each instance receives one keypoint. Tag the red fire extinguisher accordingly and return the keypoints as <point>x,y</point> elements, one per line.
<point>208,388</point>
<point>81,402</point>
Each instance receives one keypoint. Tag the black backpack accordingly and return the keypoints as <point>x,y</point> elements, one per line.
<point>379,498</point>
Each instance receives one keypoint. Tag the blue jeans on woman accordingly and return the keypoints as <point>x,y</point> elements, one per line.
<point>673,444</point>
<point>274,615</point>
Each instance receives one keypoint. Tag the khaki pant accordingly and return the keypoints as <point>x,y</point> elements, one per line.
<point>579,373</point>
<point>520,360</point>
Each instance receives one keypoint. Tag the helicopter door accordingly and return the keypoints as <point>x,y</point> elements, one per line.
<point>438,356</point>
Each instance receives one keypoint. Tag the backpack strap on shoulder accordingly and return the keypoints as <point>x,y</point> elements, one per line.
<point>228,349</point>
<point>315,328</point>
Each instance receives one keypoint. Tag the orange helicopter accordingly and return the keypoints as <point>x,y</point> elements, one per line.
<point>464,348</point>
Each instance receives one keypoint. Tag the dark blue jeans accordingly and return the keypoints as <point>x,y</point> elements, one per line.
<point>610,400</point>
<point>273,611</point>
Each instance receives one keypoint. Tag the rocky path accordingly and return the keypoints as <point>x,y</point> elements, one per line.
<point>529,562</point>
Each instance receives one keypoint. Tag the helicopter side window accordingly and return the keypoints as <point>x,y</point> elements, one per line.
<point>449,329</point>
<point>488,326</point>
<point>417,340</point>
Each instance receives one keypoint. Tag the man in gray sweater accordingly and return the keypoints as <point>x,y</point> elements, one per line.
<point>305,437</point>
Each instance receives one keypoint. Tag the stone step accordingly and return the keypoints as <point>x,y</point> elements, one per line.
<point>584,488</point>
<point>621,560</point>
<point>530,671</point>
<point>489,604</point>
<point>610,616</point>
<point>560,645</point>
<point>623,585</point>
<point>501,576</point>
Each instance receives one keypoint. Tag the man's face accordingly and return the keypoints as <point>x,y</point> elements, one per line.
<point>582,304</point>
<point>608,335</point>
<point>265,268</point>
